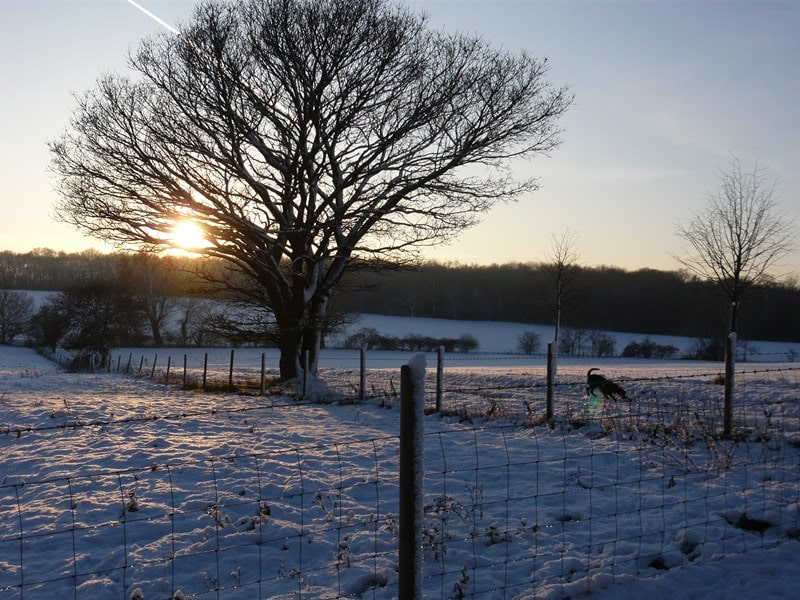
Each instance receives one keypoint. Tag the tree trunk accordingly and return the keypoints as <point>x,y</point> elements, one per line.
<point>289,344</point>
<point>734,316</point>
<point>156,329</point>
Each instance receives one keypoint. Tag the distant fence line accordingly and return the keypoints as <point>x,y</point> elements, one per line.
<point>539,393</point>
<point>555,509</point>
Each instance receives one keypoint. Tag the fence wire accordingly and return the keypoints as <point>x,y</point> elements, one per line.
<point>515,507</point>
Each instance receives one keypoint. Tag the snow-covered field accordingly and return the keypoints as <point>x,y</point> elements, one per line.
<point>112,484</point>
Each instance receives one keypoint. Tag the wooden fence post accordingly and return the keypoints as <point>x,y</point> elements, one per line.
<point>305,373</point>
<point>550,378</point>
<point>153,371</point>
<point>184,370</point>
<point>439,378</point>
<point>730,359</point>
<point>412,472</point>
<point>362,373</point>
<point>205,369</point>
<point>263,388</point>
<point>230,372</point>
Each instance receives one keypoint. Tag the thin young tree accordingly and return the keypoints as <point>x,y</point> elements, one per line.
<point>739,236</point>
<point>304,137</point>
<point>562,268</point>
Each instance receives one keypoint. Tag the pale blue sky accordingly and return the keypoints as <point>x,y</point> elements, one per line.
<point>664,93</point>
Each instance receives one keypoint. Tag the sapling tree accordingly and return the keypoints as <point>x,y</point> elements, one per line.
<point>738,236</point>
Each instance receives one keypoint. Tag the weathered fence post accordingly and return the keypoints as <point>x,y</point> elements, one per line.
<point>362,373</point>
<point>730,359</point>
<point>412,472</point>
<point>169,365</point>
<point>263,388</point>
<point>130,358</point>
<point>305,373</point>
<point>230,372</point>
<point>550,378</point>
<point>184,370</point>
<point>141,364</point>
<point>153,371</point>
<point>205,369</point>
<point>439,378</point>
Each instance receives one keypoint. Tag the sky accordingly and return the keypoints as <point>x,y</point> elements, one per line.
<point>666,92</point>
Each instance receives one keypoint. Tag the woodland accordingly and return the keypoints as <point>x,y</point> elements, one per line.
<point>608,298</point>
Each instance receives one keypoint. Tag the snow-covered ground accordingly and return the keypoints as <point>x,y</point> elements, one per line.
<point>111,484</point>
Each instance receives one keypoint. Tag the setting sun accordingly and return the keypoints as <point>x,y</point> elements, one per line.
<point>188,235</point>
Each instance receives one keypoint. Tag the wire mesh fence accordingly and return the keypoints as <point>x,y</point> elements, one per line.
<point>182,505</point>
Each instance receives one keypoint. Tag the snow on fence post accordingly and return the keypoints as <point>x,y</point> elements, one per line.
<point>230,372</point>
<point>730,359</point>
<point>362,373</point>
<point>439,377</point>
<point>263,388</point>
<point>412,471</point>
<point>550,378</point>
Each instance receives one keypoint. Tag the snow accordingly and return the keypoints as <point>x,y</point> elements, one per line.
<point>502,337</point>
<point>113,484</point>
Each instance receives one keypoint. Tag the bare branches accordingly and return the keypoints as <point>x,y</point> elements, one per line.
<point>740,235</point>
<point>307,133</point>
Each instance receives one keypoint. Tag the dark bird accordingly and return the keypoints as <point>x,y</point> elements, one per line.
<point>597,385</point>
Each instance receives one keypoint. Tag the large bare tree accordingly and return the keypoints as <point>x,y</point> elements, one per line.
<point>739,235</point>
<point>304,136</point>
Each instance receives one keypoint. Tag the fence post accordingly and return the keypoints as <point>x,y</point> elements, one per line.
<point>230,372</point>
<point>362,373</point>
<point>205,369</point>
<point>130,358</point>
<point>412,471</point>
<point>184,370</point>
<point>263,389</point>
<point>730,359</point>
<point>439,377</point>
<point>153,371</point>
<point>305,373</point>
<point>119,361</point>
<point>550,378</point>
<point>141,364</point>
<point>169,365</point>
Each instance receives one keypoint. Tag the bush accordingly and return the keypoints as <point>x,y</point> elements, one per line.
<point>647,348</point>
<point>369,339</point>
<point>529,342</point>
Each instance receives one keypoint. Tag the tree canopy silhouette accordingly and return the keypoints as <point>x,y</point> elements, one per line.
<point>303,137</point>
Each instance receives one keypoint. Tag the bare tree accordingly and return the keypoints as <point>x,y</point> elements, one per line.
<point>152,284</point>
<point>304,136</point>
<point>739,235</point>
<point>562,269</point>
<point>16,309</point>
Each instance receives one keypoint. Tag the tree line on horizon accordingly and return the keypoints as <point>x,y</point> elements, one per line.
<point>607,298</point>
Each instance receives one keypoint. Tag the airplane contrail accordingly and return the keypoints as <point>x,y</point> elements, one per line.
<point>155,17</point>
